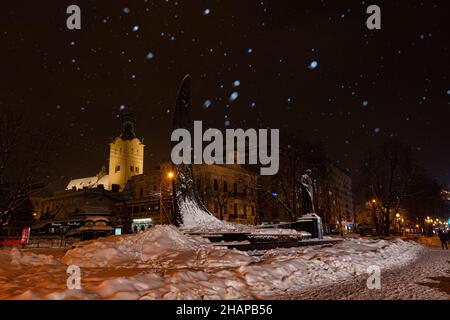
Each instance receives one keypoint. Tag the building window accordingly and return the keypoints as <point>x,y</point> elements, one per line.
<point>137,169</point>
<point>225,186</point>
<point>131,168</point>
<point>154,187</point>
<point>225,209</point>
<point>216,185</point>
<point>117,168</point>
<point>216,207</point>
<point>253,211</point>
<point>235,189</point>
<point>245,209</point>
<point>141,192</point>
<point>235,209</point>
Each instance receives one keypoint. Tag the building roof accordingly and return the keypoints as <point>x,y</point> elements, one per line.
<point>89,182</point>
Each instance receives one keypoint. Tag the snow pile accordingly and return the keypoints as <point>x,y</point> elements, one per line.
<point>158,247</point>
<point>163,263</point>
<point>277,272</point>
<point>184,267</point>
<point>24,258</point>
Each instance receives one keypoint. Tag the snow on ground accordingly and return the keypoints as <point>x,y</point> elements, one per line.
<point>163,263</point>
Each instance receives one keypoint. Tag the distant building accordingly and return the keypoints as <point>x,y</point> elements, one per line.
<point>126,159</point>
<point>335,199</point>
<point>65,212</point>
<point>228,191</point>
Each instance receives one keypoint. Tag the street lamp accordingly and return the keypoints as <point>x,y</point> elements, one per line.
<point>169,175</point>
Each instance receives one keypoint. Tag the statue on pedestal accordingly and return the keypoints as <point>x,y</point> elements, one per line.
<point>307,192</point>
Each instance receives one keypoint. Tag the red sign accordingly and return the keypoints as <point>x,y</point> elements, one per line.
<point>23,241</point>
<point>25,236</point>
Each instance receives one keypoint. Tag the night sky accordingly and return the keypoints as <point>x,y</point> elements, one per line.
<point>281,64</point>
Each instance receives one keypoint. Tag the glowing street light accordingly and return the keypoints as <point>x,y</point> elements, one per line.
<point>170,175</point>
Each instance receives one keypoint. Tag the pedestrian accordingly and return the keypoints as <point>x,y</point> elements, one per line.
<point>443,237</point>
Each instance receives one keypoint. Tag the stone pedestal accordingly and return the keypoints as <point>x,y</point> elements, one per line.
<point>311,223</point>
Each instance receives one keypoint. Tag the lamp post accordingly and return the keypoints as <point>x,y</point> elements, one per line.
<point>169,175</point>
<point>398,221</point>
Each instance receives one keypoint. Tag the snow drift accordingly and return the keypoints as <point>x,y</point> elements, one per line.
<point>185,267</point>
<point>158,247</point>
<point>164,263</point>
<point>18,257</point>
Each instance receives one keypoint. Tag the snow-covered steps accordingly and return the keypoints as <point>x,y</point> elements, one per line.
<point>247,246</point>
<point>260,239</point>
<point>221,236</point>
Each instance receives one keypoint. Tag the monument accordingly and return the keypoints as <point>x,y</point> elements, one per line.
<point>307,188</point>
<point>187,203</point>
<point>309,221</point>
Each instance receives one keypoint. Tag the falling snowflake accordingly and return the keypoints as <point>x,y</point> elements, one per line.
<point>206,12</point>
<point>126,10</point>
<point>207,104</point>
<point>136,28</point>
<point>313,64</point>
<point>236,83</point>
<point>150,56</point>
<point>233,96</point>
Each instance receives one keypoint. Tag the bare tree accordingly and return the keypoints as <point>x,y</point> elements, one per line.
<point>24,153</point>
<point>386,176</point>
